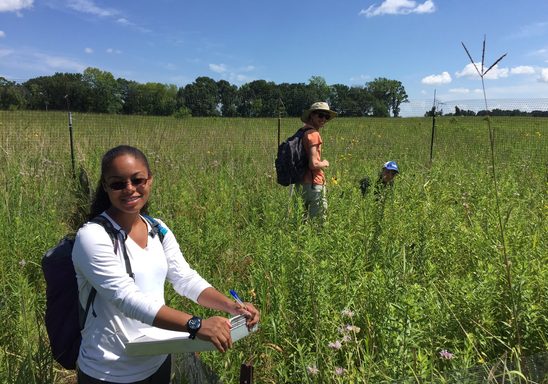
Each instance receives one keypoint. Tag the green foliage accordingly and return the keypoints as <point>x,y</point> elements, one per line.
<point>377,294</point>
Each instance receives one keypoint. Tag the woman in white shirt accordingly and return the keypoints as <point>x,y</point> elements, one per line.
<point>125,304</point>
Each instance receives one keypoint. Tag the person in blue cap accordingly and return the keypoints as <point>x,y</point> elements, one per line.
<point>388,171</point>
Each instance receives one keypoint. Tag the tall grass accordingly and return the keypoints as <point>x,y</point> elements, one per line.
<point>375,295</point>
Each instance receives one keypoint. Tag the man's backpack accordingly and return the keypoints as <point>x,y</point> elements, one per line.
<point>291,161</point>
<point>65,317</point>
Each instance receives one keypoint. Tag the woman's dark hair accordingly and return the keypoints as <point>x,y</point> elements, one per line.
<point>100,201</point>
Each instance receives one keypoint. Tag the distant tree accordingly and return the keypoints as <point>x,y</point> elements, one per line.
<point>201,97</point>
<point>296,97</point>
<point>158,99</point>
<point>319,88</point>
<point>359,102</point>
<point>462,112</point>
<point>387,96</point>
<point>37,98</point>
<point>337,96</point>
<point>105,97</point>
<point>60,91</point>
<point>131,95</point>
<point>258,98</point>
<point>537,113</point>
<point>228,98</point>
<point>434,112</point>
<point>97,91</point>
<point>380,92</point>
<point>12,95</point>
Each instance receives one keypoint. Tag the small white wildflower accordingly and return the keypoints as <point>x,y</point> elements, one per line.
<point>335,345</point>
<point>347,312</point>
<point>312,370</point>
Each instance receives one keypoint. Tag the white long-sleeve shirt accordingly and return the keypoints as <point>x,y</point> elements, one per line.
<point>122,305</point>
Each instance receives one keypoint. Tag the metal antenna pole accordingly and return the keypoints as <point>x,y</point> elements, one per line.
<point>433,128</point>
<point>71,136</point>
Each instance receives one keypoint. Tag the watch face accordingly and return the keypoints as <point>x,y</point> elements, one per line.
<point>194,323</point>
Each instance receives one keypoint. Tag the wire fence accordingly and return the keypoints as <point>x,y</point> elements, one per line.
<point>352,145</point>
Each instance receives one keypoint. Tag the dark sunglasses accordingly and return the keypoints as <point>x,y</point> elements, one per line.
<point>325,116</point>
<point>135,181</point>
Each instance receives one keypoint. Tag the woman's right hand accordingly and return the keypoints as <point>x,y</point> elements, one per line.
<point>216,329</point>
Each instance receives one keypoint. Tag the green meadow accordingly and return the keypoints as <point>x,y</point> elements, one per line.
<point>444,280</point>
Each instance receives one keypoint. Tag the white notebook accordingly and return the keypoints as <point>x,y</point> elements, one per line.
<point>157,341</point>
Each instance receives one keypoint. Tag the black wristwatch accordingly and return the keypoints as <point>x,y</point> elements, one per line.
<point>193,326</point>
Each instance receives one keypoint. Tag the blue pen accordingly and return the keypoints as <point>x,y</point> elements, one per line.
<point>236,297</point>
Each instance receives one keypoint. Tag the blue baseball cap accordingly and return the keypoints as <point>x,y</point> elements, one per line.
<point>392,166</point>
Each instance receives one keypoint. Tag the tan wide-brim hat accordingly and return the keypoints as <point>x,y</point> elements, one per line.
<point>318,106</point>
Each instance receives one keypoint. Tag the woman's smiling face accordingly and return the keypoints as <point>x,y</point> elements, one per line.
<point>128,184</point>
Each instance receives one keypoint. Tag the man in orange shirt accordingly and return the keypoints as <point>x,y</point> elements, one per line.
<point>312,188</point>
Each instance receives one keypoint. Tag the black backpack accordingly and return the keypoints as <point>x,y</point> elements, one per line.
<point>291,161</point>
<point>65,317</point>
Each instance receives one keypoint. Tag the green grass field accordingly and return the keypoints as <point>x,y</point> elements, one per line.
<point>446,262</point>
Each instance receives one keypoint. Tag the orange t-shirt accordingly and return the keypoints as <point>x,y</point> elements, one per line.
<point>312,138</point>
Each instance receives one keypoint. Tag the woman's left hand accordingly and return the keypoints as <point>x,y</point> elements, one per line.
<point>249,311</point>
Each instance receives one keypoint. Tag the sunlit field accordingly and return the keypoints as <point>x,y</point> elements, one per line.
<point>444,279</point>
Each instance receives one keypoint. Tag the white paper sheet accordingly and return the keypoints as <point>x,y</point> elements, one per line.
<point>157,341</point>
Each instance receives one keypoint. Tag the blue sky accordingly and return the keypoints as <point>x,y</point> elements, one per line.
<point>349,42</point>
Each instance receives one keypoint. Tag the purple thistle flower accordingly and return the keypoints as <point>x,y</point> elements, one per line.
<point>445,354</point>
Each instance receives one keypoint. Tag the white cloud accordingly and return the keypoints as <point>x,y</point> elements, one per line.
<point>522,70</point>
<point>170,66</point>
<point>124,21</point>
<point>113,51</point>
<point>88,50</point>
<point>543,75</point>
<point>88,6</point>
<point>494,73</point>
<point>540,52</point>
<point>443,78</point>
<point>38,62</point>
<point>399,7</point>
<point>460,91</point>
<point>5,52</point>
<point>468,71</point>
<point>239,78</point>
<point>532,30</point>
<point>360,79</point>
<point>58,63</point>
<point>218,68</point>
<point>15,5</point>
<point>2,34</point>
<point>497,73</point>
<point>233,75</point>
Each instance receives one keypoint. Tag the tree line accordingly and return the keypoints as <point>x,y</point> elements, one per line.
<point>97,91</point>
<point>483,112</point>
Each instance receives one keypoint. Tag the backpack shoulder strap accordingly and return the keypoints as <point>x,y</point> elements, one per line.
<point>115,237</point>
<point>303,130</point>
<point>157,228</point>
